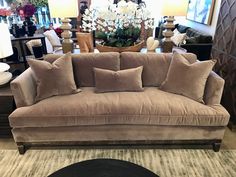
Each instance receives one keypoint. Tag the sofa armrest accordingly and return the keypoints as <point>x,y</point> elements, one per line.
<point>214,89</point>
<point>24,89</point>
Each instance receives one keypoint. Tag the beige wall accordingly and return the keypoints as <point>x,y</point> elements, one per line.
<point>204,28</point>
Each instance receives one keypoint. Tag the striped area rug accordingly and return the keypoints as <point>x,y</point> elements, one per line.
<point>166,163</point>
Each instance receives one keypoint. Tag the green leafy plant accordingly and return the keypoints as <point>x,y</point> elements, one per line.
<point>37,3</point>
<point>117,25</point>
<point>122,37</point>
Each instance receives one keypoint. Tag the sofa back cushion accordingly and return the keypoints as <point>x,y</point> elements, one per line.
<point>182,28</point>
<point>155,66</point>
<point>83,65</point>
<point>201,38</point>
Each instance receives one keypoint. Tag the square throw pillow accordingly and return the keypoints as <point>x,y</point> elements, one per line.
<point>53,79</point>
<point>115,81</point>
<point>187,79</point>
<point>178,38</point>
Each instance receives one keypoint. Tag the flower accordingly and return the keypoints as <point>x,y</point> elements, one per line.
<point>27,10</point>
<point>117,25</point>
<point>5,12</point>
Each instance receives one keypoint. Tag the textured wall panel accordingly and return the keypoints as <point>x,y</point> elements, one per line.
<point>224,50</point>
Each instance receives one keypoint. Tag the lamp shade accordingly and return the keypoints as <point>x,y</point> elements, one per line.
<point>174,7</point>
<point>5,41</point>
<point>63,8</point>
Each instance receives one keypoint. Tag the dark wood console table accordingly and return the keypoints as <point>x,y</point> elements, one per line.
<point>28,38</point>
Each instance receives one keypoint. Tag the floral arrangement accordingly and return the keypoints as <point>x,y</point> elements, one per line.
<point>28,10</point>
<point>118,25</point>
<point>37,3</point>
<point>5,12</point>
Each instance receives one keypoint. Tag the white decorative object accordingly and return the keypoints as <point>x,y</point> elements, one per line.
<point>4,67</point>
<point>5,77</point>
<point>178,38</point>
<point>152,44</point>
<point>5,51</point>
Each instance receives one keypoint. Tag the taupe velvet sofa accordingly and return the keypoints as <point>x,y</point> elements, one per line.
<point>88,118</point>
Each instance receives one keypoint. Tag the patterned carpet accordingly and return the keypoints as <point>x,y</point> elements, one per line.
<point>166,163</point>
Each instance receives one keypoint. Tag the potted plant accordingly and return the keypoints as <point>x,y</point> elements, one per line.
<point>119,26</point>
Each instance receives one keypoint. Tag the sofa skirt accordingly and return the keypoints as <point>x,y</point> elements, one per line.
<point>115,133</point>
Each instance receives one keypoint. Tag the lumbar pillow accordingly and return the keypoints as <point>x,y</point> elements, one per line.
<point>123,80</point>
<point>187,79</point>
<point>53,79</point>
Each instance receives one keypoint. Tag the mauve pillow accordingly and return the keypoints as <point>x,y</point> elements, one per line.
<point>187,79</point>
<point>114,81</point>
<point>53,79</point>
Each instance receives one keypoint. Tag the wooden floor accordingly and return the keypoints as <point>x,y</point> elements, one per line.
<point>229,142</point>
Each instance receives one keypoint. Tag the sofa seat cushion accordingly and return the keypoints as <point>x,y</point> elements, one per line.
<point>151,107</point>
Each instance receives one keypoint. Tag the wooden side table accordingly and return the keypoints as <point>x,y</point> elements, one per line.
<point>7,107</point>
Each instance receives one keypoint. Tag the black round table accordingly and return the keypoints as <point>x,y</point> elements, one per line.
<point>103,168</point>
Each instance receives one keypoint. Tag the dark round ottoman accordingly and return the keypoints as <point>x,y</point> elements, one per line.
<point>103,168</point>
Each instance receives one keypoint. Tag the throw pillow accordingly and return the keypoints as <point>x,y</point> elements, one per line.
<point>187,79</point>
<point>123,80</point>
<point>53,79</point>
<point>178,38</point>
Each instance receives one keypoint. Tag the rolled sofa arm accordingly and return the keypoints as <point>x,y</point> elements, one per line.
<point>214,89</point>
<point>24,89</point>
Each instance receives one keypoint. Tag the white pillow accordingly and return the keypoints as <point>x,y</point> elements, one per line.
<point>52,37</point>
<point>178,38</point>
<point>34,42</point>
<point>176,31</point>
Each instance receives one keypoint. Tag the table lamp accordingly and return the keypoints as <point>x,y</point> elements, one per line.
<point>64,9</point>
<point>171,8</point>
<point>5,51</point>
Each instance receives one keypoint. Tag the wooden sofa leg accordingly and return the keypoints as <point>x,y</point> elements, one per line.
<point>216,146</point>
<point>21,148</point>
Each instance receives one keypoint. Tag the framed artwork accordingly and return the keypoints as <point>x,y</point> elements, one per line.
<point>83,4</point>
<point>201,11</point>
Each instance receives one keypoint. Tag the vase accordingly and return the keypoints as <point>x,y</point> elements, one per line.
<point>135,48</point>
<point>29,26</point>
